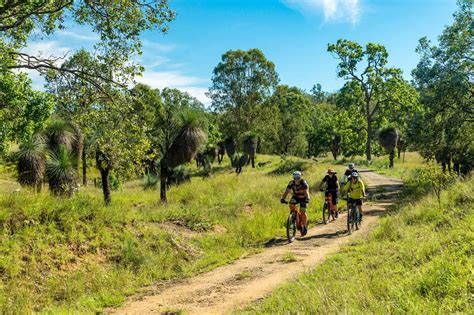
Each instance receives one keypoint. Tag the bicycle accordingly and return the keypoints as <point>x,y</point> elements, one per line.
<point>293,223</point>
<point>328,208</point>
<point>353,217</point>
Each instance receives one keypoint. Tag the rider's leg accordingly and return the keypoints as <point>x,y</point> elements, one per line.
<point>294,208</point>
<point>359,205</point>
<point>334,201</point>
<point>304,223</point>
<point>303,216</point>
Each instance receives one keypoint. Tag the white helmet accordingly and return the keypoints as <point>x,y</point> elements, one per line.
<point>297,175</point>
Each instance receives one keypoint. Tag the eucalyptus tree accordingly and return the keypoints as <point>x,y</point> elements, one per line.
<point>365,68</point>
<point>241,83</point>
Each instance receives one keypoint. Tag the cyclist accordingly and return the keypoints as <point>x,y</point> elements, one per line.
<point>332,187</point>
<point>300,194</point>
<point>356,190</point>
<point>347,174</point>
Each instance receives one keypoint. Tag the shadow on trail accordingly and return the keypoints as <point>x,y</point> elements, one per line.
<point>324,235</point>
<point>274,242</point>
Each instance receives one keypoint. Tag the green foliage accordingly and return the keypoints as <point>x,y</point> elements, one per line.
<point>288,165</point>
<point>381,90</point>
<point>31,162</point>
<point>61,172</point>
<point>442,129</point>
<point>241,82</point>
<point>150,181</point>
<point>433,179</point>
<point>118,24</point>
<point>294,109</point>
<point>179,175</point>
<point>23,111</point>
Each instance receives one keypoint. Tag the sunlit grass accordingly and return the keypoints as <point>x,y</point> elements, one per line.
<point>61,254</point>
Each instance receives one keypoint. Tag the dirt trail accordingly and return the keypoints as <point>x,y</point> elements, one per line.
<point>233,286</point>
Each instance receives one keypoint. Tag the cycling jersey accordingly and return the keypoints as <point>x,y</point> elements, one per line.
<point>356,190</point>
<point>331,182</point>
<point>300,190</point>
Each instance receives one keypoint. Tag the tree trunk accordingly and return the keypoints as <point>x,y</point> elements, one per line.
<point>369,137</point>
<point>392,156</point>
<point>84,168</point>
<point>163,182</point>
<point>104,174</point>
<point>443,166</point>
<point>456,168</point>
<point>399,152</point>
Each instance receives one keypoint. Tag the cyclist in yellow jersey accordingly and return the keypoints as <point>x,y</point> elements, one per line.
<point>356,190</point>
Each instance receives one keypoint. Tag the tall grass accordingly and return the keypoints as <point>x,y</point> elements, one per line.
<point>419,260</point>
<point>75,254</point>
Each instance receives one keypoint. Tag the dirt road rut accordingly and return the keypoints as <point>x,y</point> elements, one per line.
<point>233,286</point>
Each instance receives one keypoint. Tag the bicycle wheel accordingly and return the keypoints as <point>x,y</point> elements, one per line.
<point>326,213</point>
<point>349,220</point>
<point>291,228</point>
<point>356,218</point>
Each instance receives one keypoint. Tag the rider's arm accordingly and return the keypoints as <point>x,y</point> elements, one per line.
<point>287,191</point>
<point>363,188</point>
<point>345,188</point>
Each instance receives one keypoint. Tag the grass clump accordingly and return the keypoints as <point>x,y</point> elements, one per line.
<point>419,260</point>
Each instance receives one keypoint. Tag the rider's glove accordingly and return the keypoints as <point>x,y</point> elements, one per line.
<point>282,200</point>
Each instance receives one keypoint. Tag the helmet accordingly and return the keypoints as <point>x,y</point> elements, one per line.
<point>297,175</point>
<point>331,171</point>
<point>351,166</point>
<point>355,175</point>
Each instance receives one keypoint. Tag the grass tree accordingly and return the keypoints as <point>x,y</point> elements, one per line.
<point>58,133</point>
<point>388,139</point>
<point>336,146</point>
<point>182,150</point>
<point>229,144</point>
<point>61,171</point>
<point>220,151</point>
<point>32,162</point>
<point>250,147</point>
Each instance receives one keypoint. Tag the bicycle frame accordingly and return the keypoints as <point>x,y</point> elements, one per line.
<point>295,212</point>
<point>328,199</point>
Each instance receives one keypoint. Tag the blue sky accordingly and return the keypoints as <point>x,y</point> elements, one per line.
<point>292,33</point>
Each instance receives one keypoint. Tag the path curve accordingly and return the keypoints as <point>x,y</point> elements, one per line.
<point>235,285</point>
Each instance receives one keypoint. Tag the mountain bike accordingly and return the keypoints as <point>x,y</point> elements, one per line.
<point>293,223</point>
<point>328,208</point>
<point>353,217</point>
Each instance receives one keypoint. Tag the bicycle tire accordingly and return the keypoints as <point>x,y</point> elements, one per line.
<point>291,228</point>
<point>326,213</point>
<point>349,219</point>
<point>356,218</point>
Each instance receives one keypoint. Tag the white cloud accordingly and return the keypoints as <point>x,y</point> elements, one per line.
<point>154,46</point>
<point>86,36</point>
<point>333,10</point>
<point>176,79</point>
<point>47,49</point>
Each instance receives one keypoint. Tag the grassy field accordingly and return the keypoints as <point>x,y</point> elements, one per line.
<point>419,260</point>
<point>63,255</point>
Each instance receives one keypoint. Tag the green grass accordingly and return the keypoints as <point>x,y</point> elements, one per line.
<point>76,255</point>
<point>418,260</point>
